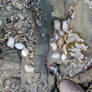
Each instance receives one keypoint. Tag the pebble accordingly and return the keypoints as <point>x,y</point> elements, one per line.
<point>53,46</point>
<point>19,46</point>
<point>24,52</point>
<point>63,57</point>
<point>28,68</point>
<point>55,55</point>
<point>10,42</point>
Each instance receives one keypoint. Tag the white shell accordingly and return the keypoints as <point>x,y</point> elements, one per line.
<point>19,46</point>
<point>24,52</point>
<point>63,57</point>
<point>65,26</point>
<point>56,36</point>
<point>53,46</point>
<point>10,42</point>
<point>28,68</point>
<point>57,25</point>
<point>55,55</point>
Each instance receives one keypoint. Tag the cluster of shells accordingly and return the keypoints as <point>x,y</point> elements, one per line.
<point>17,30</point>
<point>68,47</point>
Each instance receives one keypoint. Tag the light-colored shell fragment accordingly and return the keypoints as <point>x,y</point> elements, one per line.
<point>28,68</point>
<point>25,52</point>
<point>57,25</point>
<point>65,26</point>
<point>55,55</point>
<point>63,57</point>
<point>56,36</point>
<point>19,46</point>
<point>10,42</point>
<point>65,48</point>
<point>61,33</point>
<point>60,42</point>
<point>53,46</point>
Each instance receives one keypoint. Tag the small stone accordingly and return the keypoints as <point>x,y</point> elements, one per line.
<point>24,52</point>
<point>10,42</point>
<point>55,55</point>
<point>63,57</point>
<point>28,68</point>
<point>19,46</point>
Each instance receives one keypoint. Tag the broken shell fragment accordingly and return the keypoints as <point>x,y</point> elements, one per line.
<point>19,46</point>
<point>60,43</point>
<point>53,46</point>
<point>65,26</point>
<point>65,48</point>
<point>56,36</point>
<point>28,68</point>
<point>55,55</point>
<point>63,57</point>
<point>24,52</point>
<point>61,33</point>
<point>10,42</point>
<point>57,24</point>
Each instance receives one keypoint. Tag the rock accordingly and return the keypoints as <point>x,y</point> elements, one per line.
<point>10,42</point>
<point>19,46</point>
<point>28,68</point>
<point>55,55</point>
<point>24,52</point>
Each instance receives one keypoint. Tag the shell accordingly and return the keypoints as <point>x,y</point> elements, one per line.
<point>57,24</point>
<point>19,46</point>
<point>61,33</point>
<point>24,52</point>
<point>53,46</point>
<point>28,68</point>
<point>63,57</point>
<point>60,42</point>
<point>10,42</point>
<point>55,55</point>
<point>56,36</point>
<point>65,48</point>
<point>65,26</point>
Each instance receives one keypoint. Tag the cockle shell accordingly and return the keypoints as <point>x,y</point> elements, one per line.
<point>10,42</point>
<point>53,46</point>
